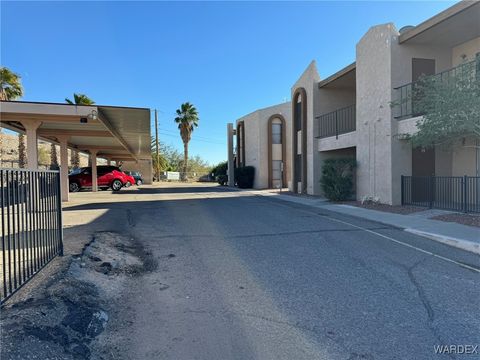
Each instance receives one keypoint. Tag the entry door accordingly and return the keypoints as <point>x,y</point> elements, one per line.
<point>423,167</point>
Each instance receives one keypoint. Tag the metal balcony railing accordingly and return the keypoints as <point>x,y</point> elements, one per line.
<point>337,122</point>
<point>407,97</point>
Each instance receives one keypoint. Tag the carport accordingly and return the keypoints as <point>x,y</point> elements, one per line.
<point>111,132</point>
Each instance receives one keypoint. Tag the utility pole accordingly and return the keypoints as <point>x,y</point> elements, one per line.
<point>157,168</point>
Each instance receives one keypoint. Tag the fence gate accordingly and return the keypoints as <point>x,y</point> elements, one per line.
<point>31,226</point>
<point>457,193</point>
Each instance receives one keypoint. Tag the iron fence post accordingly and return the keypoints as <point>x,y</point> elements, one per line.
<point>59,213</point>
<point>465,195</point>
<point>402,185</point>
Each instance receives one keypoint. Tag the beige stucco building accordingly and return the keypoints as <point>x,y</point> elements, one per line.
<point>350,113</point>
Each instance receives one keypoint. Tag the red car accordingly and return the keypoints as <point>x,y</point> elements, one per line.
<point>107,177</point>
<point>130,180</point>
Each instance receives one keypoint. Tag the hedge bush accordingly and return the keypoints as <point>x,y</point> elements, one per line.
<point>337,178</point>
<point>222,179</point>
<point>244,177</point>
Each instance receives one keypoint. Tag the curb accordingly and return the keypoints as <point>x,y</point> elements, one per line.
<point>447,240</point>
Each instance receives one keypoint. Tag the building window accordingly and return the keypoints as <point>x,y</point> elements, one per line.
<point>276,169</point>
<point>276,133</point>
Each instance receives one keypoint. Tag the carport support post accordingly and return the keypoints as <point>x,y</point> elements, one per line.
<point>63,140</point>
<point>231,181</point>
<point>31,127</point>
<point>93,157</point>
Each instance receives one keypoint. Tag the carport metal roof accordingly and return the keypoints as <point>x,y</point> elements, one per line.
<point>118,133</point>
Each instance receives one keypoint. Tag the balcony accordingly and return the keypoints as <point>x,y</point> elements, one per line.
<point>406,96</point>
<point>337,122</point>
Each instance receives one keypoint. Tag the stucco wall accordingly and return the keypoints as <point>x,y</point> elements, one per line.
<point>144,166</point>
<point>309,80</point>
<point>464,158</point>
<point>465,51</point>
<point>374,117</point>
<point>256,141</point>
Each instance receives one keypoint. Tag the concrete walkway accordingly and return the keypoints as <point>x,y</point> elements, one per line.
<point>460,236</point>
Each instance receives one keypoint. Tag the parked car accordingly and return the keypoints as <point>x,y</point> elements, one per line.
<point>136,175</point>
<point>130,180</point>
<point>107,177</point>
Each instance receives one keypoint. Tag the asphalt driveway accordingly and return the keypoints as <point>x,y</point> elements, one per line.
<point>247,277</point>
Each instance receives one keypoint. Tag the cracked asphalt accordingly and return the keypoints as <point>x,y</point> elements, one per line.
<point>241,276</point>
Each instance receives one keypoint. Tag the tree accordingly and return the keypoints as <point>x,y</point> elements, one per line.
<point>187,120</point>
<point>22,156</point>
<point>450,106</point>
<point>43,156</point>
<point>10,85</point>
<point>53,157</point>
<point>80,99</point>
<point>75,159</point>
<point>220,169</point>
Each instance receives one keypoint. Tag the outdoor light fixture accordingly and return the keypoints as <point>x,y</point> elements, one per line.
<point>93,115</point>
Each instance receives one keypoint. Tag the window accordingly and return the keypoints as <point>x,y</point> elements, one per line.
<point>276,133</point>
<point>276,169</point>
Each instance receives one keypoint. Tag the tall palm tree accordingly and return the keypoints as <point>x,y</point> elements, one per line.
<point>80,99</point>
<point>10,85</point>
<point>187,120</point>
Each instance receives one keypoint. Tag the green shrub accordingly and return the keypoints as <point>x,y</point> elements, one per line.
<point>222,179</point>
<point>244,177</point>
<point>337,178</point>
<point>220,169</point>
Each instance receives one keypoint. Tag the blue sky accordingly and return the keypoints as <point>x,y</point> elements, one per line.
<point>227,58</point>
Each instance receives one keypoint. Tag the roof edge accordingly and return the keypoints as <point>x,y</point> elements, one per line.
<point>436,19</point>
<point>337,75</point>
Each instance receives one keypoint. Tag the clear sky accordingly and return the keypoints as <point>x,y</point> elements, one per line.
<point>227,58</point>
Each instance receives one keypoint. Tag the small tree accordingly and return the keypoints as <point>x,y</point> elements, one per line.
<point>449,104</point>
<point>22,156</point>
<point>53,157</point>
<point>337,178</point>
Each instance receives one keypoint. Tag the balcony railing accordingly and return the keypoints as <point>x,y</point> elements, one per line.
<point>407,98</point>
<point>337,122</point>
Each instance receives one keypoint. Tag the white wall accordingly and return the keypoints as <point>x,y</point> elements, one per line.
<point>256,141</point>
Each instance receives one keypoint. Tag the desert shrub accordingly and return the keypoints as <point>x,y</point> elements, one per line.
<point>244,177</point>
<point>337,178</point>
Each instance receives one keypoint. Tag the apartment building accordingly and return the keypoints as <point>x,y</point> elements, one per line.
<point>262,142</point>
<point>350,113</point>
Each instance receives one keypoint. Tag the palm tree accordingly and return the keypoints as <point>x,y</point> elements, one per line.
<point>10,85</point>
<point>187,120</point>
<point>80,99</point>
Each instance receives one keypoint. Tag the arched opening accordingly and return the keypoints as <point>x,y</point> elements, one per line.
<point>277,159</point>
<point>299,156</point>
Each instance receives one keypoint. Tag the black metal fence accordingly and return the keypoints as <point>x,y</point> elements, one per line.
<point>457,193</point>
<point>337,122</point>
<point>31,226</point>
<point>407,97</point>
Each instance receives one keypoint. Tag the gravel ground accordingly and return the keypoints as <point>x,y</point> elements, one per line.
<point>397,209</point>
<point>68,316</point>
<point>464,219</point>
